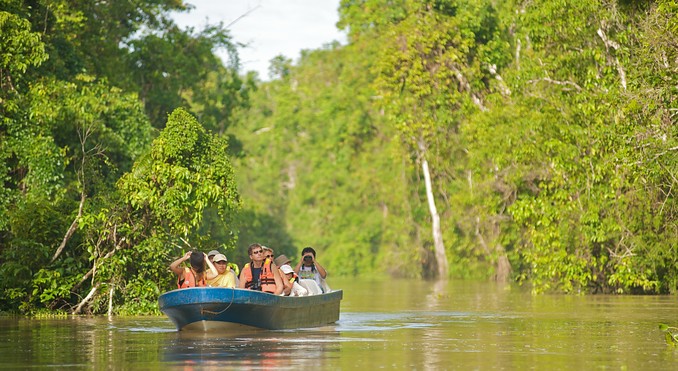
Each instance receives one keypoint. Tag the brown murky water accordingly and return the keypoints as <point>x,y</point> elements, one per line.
<point>393,324</point>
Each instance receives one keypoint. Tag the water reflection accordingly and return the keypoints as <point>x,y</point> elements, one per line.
<point>252,349</point>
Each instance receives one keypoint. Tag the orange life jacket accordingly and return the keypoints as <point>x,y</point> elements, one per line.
<point>266,277</point>
<point>188,280</point>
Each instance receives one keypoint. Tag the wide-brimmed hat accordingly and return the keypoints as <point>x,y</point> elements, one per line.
<point>287,269</point>
<point>220,258</point>
<point>281,260</point>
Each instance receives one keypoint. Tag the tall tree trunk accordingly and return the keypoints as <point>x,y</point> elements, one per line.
<point>111,292</point>
<point>439,246</point>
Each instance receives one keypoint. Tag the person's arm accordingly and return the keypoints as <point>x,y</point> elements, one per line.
<point>212,273</point>
<point>241,282</point>
<point>321,270</point>
<point>174,267</point>
<point>278,281</point>
<point>298,266</point>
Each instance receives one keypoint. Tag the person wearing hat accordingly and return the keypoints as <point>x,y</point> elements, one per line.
<point>290,277</point>
<point>212,254</point>
<point>234,267</point>
<point>282,260</point>
<point>287,284</point>
<point>225,276</point>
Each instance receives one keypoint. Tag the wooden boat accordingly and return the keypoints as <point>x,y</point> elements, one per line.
<point>218,308</point>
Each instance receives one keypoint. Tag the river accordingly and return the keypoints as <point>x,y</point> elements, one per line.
<point>388,324</point>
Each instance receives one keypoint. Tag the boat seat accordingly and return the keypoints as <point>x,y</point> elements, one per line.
<point>311,286</point>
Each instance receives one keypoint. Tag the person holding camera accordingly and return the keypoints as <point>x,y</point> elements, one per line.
<point>309,268</point>
<point>197,274</point>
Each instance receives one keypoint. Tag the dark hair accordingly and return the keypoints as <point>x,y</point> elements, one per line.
<point>198,261</point>
<point>308,249</point>
<point>252,246</point>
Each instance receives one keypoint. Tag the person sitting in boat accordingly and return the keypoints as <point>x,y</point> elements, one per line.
<point>225,276</point>
<point>195,275</point>
<point>260,273</point>
<point>309,268</point>
<point>287,285</point>
<point>212,254</point>
<point>235,270</point>
<point>295,289</point>
<point>282,260</point>
<point>268,253</point>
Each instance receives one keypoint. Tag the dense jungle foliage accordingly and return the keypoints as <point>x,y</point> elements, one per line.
<point>528,141</point>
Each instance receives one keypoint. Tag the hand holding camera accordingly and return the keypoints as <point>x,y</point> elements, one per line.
<point>308,259</point>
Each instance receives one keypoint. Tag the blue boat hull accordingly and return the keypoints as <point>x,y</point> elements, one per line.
<point>206,308</point>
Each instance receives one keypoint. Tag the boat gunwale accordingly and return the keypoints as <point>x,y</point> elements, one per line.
<point>204,295</point>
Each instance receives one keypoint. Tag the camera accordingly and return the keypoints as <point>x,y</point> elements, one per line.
<point>308,258</point>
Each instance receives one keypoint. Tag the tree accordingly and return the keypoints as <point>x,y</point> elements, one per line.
<point>174,67</point>
<point>186,172</point>
<point>430,71</point>
<point>73,141</point>
<point>19,49</point>
<point>160,203</point>
<point>137,47</point>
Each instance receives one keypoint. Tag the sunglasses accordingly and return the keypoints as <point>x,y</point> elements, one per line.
<point>269,256</point>
<point>257,252</point>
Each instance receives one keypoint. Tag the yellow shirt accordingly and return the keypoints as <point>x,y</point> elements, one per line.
<point>227,279</point>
